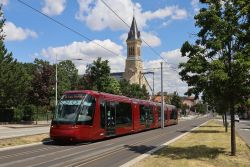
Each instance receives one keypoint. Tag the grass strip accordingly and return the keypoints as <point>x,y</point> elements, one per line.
<point>23,140</point>
<point>207,146</point>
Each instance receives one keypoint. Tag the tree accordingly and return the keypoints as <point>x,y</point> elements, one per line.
<point>133,90</point>
<point>112,86</point>
<point>13,77</point>
<point>97,77</point>
<point>42,84</point>
<point>220,55</point>
<point>69,71</point>
<point>200,108</point>
<point>176,100</point>
<point>67,76</point>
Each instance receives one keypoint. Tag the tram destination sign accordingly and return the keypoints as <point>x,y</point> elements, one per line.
<point>73,96</point>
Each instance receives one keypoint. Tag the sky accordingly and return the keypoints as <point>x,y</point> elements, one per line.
<point>164,24</point>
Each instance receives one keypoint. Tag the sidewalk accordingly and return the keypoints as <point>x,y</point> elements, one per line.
<point>19,130</point>
<point>26,125</point>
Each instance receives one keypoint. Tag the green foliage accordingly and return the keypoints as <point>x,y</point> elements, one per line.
<point>14,81</point>
<point>18,114</point>
<point>200,108</point>
<point>67,75</point>
<point>176,100</point>
<point>219,61</point>
<point>42,84</point>
<point>111,85</point>
<point>133,90</point>
<point>29,112</point>
<point>97,77</point>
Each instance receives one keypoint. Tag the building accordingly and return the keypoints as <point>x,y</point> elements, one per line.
<point>189,101</point>
<point>134,65</point>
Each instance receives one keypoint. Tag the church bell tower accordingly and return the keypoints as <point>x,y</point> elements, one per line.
<point>134,66</point>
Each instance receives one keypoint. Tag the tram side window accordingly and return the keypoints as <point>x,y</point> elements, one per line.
<point>143,114</point>
<point>102,112</point>
<point>151,115</point>
<point>172,114</point>
<point>166,112</point>
<point>124,114</point>
<point>159,113</point>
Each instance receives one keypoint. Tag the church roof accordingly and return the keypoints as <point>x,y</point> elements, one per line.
<point>134,33</point>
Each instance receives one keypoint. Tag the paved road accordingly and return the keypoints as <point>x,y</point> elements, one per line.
<point>243,129</point>
<point>6,132</point>
<point>112,152</point>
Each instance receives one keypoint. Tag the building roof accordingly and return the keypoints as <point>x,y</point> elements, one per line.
<point>118,75</point>
<point>134,33</point>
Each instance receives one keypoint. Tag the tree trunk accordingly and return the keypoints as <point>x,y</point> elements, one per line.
<point>233,142</point>
<point>223,120</point>
<point>226,123</point>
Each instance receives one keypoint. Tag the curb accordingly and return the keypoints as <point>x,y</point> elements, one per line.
<point>26,126</point>
<point>139,158</point>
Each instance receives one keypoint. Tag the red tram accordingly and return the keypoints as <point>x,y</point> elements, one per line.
<point>89,115</point>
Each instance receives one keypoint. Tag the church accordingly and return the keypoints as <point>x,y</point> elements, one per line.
<point>134,65</point>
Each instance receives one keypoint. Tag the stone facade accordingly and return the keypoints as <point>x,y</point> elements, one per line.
<point>134,65</point>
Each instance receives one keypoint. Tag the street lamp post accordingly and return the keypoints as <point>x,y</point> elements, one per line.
<point>56,73</point>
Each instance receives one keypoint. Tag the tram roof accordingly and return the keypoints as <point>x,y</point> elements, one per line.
<point>117,97</point>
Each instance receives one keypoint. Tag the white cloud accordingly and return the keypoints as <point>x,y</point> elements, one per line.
<point>195,5</point>
<point>88,51</point>
<point>173,12</point>
<point>152,39</point>
<point>14,33</point>
<point>4,2</point>
<point>54,7</point>
<point>171,78</point>
<point>98,17</point>
<point>174,57</point>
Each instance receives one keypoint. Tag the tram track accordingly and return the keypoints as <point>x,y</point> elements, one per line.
<point>102,155</point>
<point>80,155</point>
<point>89,157</point>
<point>98,157</point>
<point>84,161</point>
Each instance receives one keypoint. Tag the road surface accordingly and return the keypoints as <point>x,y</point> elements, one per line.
<point>112,152</point>
<point>243,129</point>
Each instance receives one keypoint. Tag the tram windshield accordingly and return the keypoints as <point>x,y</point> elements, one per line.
<point>75,108</point>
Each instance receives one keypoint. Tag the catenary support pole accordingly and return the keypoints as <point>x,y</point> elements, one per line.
<point>162,100</point>
<point>56,82</point>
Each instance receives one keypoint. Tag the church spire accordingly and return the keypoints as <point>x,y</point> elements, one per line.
<point>134,33</point>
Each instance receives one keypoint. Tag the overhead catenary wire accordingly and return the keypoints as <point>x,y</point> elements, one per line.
<point>67,27</point>
<point>141,38</point>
